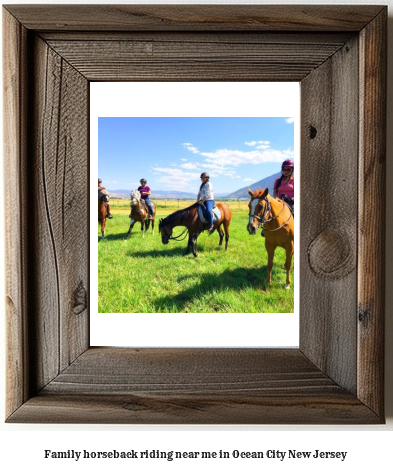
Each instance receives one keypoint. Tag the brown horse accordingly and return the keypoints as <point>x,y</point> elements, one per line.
<point>140,214</point>
<point>189,218</point>
<point>276,219</point>
<point>102,212</point>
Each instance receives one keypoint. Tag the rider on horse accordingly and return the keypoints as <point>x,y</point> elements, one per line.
<point>145,195</point>
<point>102,191</point>
<point>206,197</point>
<point>284,186</point>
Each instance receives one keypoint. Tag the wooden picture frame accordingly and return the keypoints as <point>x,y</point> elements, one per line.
<point>338,54</point>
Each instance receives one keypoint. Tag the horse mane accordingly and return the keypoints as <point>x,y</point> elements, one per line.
<point>180,213</point>
<point>135,192</point>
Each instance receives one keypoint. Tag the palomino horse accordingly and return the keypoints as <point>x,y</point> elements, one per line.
<point>189,218</point>
<point>102,212</point>
<point>140,214</point>
<point>276,219</point>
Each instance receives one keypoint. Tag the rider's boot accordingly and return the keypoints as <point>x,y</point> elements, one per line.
<point>108,210</point>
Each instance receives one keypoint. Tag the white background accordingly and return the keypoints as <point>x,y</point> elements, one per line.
<point>200,99</point>
<point>369,447</point>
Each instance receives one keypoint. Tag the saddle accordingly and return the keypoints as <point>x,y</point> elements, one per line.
<point>289,201</point>
<point>202,214</point>
<point>103,195</point>
<point>144,205</point>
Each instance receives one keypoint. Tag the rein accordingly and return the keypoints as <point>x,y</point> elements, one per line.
<point>268,209</point>
<point>177,238</point>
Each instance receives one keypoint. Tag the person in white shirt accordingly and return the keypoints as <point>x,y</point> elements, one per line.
<point>206,197</point>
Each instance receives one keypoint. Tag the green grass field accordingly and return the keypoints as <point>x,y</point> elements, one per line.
<point>141,275</point>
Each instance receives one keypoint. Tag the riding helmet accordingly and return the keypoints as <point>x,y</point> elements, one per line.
<point>205,175</point>
<point>99,180</point>
<point>143,180</point>
<point>288,163</point>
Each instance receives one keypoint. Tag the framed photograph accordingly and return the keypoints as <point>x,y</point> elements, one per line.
<point>150,294</point>
<point>337,54</point>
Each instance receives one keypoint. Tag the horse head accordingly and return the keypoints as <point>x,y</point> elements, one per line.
<point>135,197</point>
<point>164,231</point>
<point>258,207</point>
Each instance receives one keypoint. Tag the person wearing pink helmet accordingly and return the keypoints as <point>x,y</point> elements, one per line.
<point>284,186</point>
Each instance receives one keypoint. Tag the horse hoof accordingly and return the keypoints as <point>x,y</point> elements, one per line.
<point>288,287</point>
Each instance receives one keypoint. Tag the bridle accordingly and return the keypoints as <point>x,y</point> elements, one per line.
<point>267,210</point>
<point>178,238</point>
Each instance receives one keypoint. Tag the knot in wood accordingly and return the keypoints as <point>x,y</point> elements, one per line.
<point>80,299</point>
<point>331,254</point>
<point>313,132</point>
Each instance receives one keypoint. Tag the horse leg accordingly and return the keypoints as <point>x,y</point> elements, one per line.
<point>103,229</point>
<point>270,257</point>
<point>194,243</point>
<point>226,228</point>
<point>288,263</point>
<point>221,232</point>
<point>152,226</point>
<point>132,222</point>
<point>189,244</point>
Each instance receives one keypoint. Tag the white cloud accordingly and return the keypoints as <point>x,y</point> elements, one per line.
<point>262,147</point>
<point>172,176</point>
<point>260,143</point>
<point>190,166</point>
<point>190,147</point>
<point>290,120</point>
<point>217,163</point>
<point>227,158</point>
<point>289,152</point>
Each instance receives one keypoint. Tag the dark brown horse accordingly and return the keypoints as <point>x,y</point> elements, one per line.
<point>139,213</point>
<point>189,218</point>
<point>102,212</point>
<point>276,219</point>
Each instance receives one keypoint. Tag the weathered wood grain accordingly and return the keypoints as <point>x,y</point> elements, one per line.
<point>336,375</point>
<point>329,190</point>
<point>60,188</point>
<point>195,17</point>
<point>14,73</point>
<point>201,37</point>
<point>239,409</point>
<point>371,228</point>
<point>193,386</point>
<point>216,60</point>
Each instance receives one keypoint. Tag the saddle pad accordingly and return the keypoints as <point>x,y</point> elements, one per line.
<point>216,214</point>
<point>103,194</point>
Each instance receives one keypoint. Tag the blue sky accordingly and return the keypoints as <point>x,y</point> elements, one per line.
<point>172,152</point>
